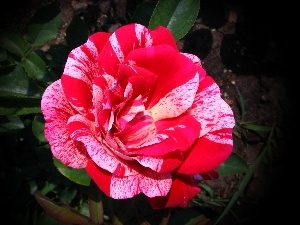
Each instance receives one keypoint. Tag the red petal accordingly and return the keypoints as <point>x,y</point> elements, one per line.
<point>207,104</point>
<point>100,176</point>
<point>80,69</point>
<point>79,94</point>
<point>141,80</point>
<point>162,35</point>
<point>162,164</point>
<point>148,182</point>
<point>123,41</point>
<point>174,71</point>
<point>140,129</point>
<point>179,134</point>
<point>183,189</point>
<point>207,154</point>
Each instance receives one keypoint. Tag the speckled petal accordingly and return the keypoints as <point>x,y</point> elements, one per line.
<point>148,182</point>
<point>56,111</point>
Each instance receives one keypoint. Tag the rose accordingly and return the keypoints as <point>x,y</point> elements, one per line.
<point>138,115</point>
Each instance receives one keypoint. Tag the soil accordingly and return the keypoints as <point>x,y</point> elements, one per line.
<point>241,48</point>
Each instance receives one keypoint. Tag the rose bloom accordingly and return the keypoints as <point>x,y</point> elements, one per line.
<point>139,116</point>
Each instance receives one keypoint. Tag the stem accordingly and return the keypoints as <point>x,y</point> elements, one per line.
<point>166,217</point>
<point>95,204</point>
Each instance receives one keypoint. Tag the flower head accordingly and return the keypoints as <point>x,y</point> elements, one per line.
<point>138,115</point>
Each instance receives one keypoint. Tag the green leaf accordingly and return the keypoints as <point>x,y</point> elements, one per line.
<point>19,106</point>
<point>17,84</point>
<point>35,67</point>
<point>13,42</point>
<point>78,176</point>
<point>68,194</point>
<point>176,15</point>
<point>38,127</point>
<point>3,55</point>
<point>10,123</point>
<point>208,189</point>
<point>7,69</point>
<point>233,165</point>
<point>254,127</point>
<point>61,212</point>
<point>143,13</point>
<point>58,54</point>
<point>76,33</point>
<point>244,182</point>
<point>47,188</point>
<point>45,24</point>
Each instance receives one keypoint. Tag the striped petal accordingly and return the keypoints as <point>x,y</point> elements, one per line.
<point>212,149</point>
<point>174,134</point>
<point>81,130</point>
<point>148,182</point>
<point>138,130</point>
<point>117,48</point>
<point>206,106</point>
<point>162,164</point>
<point>137,36</point>
<point>141,81</point>
<point>177,81</point>
<point>56,111</point>
<point>80,69</point>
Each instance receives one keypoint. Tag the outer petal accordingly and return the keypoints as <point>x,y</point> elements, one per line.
<point>197,62</point>
<point>80,69</point>
<point>161,35</point>
<point>213,148</point>
<point>56,112</point>
<point>183,189</point>
<point>150,183</point>
<point>207,104</point>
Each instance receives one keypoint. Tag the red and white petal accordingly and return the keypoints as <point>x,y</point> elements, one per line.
<point>129,111</point>
<point>177,81</point>
<point>137,36</point>
<point>102,105</point>
<point>195,59</point>
<point>162,164</point>
<point>173,134</point>
<point>182,191</point>
<point>226,120</point>
<point>162,35</point>
<point>139,80</point>
<point>148,182</point>
<point>80,69</point>
<point>197,62</point>
<point>206,107</point>
<point>80,129</point>
<point>213,148</point>
<point>137,131</point>
<point>177,101</point>
<point>56,111</point>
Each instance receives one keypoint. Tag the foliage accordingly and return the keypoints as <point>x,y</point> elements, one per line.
<point>25,72</point>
